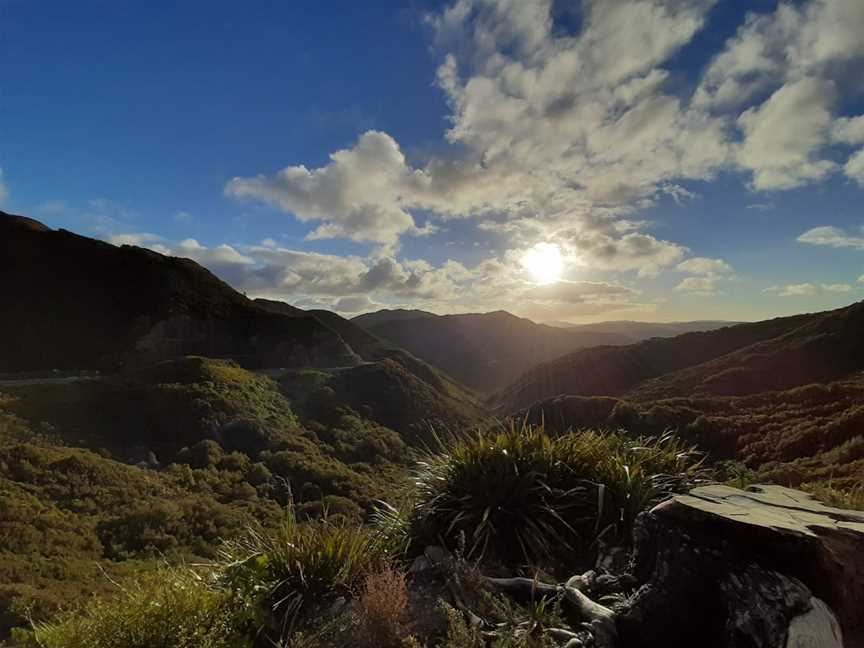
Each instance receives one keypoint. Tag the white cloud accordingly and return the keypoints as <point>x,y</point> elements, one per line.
<point>848,130</point>
<point>861,279</point>
<point>837,288</point>
<point>705,266</point>
<point>854,167</point>
<point>808,289</point>
<point>832,237</point>
<point>362,194</point>
<point>633,251</point>
<point>785,134</point>
<point>562,136</point>
<point>798,290</point>
<point>699,286</point>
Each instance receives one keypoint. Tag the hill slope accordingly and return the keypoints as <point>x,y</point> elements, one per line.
<point>805,434</point>
<point>71,302</point>
<point>369,320</point>
<point>360,340</point>
<point>612,371</point>
<point>484,351</point>
<point>828,347</point>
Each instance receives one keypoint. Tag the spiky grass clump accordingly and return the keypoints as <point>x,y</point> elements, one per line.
<point>516,493</point>
<point>302,564</point>
<point>169,609</point>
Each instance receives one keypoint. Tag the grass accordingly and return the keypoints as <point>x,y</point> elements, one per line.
<point>517,494</point>
<point>169,609</point>
<point>301,565</point>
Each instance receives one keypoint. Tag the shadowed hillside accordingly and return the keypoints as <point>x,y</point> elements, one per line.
<point>612,371</point>
<point>360,340</point>
<point>484,351</point>
<point>71,302</point>
<point>828,346</point>
<point>370,320</point>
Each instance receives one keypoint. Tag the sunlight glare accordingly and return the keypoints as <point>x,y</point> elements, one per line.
<point>544,262</point>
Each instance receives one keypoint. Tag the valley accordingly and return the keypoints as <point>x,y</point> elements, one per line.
<point>160,414</point>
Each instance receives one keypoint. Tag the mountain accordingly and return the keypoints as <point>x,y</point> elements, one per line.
<point>370,320</point>
<point>484,351</point>
<point>360,340</point>
<point>71,302</point>
<point>825,347</point>
<point>613,371</point>
<point>637,331</point>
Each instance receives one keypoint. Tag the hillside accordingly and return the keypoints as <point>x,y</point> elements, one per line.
<point>808,434</point>
<point>613,371</point>
<point>370,320</point>
<point>829,346</point>
<point>127,305</point>
<point>361,341</point>
<point>484,351</point>
<point>216,449</point>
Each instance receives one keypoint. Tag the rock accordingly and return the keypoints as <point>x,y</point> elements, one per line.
<point>436,555</point>
<point>730,568</point>
<point>817,628</point>
<point>421,564</point>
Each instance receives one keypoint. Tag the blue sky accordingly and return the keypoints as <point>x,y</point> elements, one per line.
<point>685,159</point>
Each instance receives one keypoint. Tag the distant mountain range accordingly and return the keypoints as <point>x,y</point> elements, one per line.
<point>638,331</point>
<point>488,351</point>
<point>736,360</point>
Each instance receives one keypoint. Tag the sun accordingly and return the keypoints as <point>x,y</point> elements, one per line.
<point>544,262</point>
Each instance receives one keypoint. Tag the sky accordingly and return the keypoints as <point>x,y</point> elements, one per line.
<point>571,161</point>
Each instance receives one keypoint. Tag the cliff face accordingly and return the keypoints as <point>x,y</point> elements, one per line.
<point>71,302</point>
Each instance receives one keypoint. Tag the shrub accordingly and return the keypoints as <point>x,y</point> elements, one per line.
<point>301,564</point>
<point>383,606</point>
<point>517,494</point>
<point>169,609</point>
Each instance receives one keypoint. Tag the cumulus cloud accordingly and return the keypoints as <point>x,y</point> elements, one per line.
<point>854,167</point>
<point>785,134</point>
<point>832,237</point>
<point>705,266</point>
<point>564,135</point>
<point>837,288</point>
<point>798,290</point>
<point>699,286</point>
<point>352,284</point>
<point>709,273</point>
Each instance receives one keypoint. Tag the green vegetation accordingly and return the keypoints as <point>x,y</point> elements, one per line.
<point>165,609</point>
<point>299,565</point>
<point>517,494</point>
<point>218,448</point>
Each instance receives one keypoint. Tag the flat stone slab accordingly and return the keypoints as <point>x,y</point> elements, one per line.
<point>769,506</point>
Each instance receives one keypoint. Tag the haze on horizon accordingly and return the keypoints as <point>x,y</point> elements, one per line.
<point>572,161</point>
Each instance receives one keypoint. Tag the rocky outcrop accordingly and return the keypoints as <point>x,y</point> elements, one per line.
<point>720,567</point>
<point>767,566</point>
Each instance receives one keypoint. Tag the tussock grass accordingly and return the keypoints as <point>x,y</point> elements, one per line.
<point>302,564</point>
<point>516,493</point>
